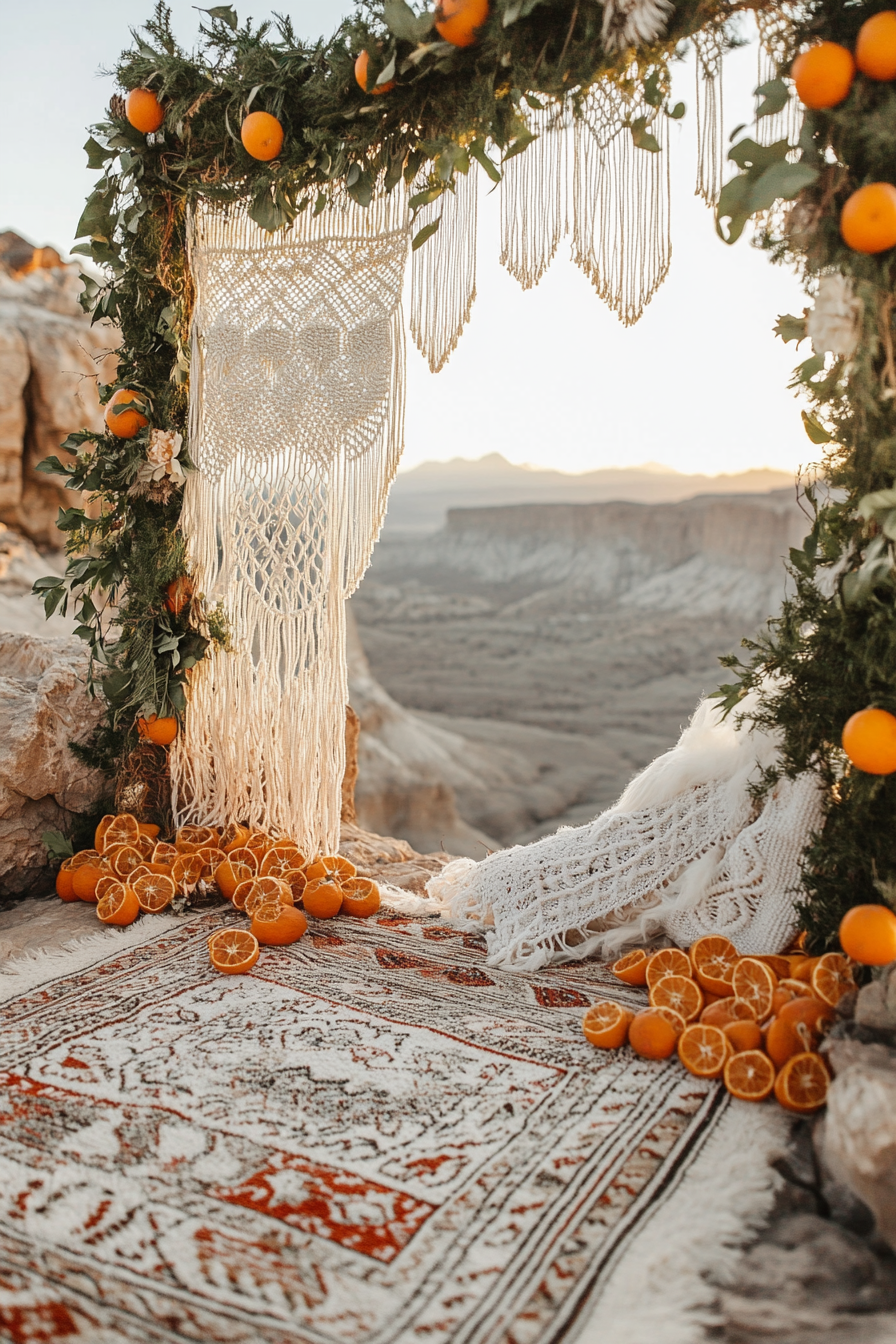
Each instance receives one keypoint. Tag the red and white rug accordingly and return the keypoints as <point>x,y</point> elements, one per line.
<point>371,1139</point>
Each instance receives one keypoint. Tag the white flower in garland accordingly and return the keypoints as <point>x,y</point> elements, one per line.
<point>629,23</point>
<point>161,457</point>
<point>833,324</point>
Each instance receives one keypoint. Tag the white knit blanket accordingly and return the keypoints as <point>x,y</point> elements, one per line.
<point>686,851</point>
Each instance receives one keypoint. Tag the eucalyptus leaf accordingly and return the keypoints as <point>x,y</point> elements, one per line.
<point>790,328</point>
<point>816,431</point>
<point>677,112</point>
<point>644,137</point>
<point>522,142</point>
<point>780,182</point>
<point>491,169</point>
<point>404,24</point>
<point>57,845</point>
<point>426,232</point>
<point>226,13</point>
<point>775,96</point>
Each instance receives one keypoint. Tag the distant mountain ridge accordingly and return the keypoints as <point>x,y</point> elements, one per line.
<point>421,497</point>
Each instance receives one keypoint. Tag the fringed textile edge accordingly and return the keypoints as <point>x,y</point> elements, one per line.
<point>443,271</point>
<point>29,970</point>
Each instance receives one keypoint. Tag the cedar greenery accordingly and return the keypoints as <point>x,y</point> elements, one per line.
<point>832,649</point>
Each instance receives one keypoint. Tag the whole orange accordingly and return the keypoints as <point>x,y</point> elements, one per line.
<point>262,136</point>
<point>459,21</point>
<point>322,899</point>
<point>652,1035</point>
<point>823,75</point>
<point>178,593</point>
<point>868,935</point>
<point>868,219</point>
<point>362,64</point>
<point>128,421</point>
<point>84,881</point>
<point>869,738</point>
<point>65,888</point>
<point>160,731</point>
<point>876,46</point>
<point>143,110</point>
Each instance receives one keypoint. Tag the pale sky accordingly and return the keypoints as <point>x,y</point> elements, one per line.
<point>548,376</point>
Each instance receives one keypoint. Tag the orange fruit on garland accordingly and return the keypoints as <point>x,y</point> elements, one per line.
<point>749,1075</point>
<point>118,905</point>
<point>65,888</point>
<point>606,1025</point>
<point>823,75</point>
<point>233,951</point>
<point>869,738</point>
<point>654,1033</point>
<point>276,925</point>
<point>178,594</point>
<point>802,1085</point>
<point>876,46</point>
<point>360,897</point>
<point>143,110</point>
<point>362,66</point>
<point>160,731</point>
<point>680,993</point>
<point>322,898</point>
<point>122,415</point>
<point>459,21</point>
<point>714,959</point>
<point>867,934</point>
<point>262,136</point>
<point>632,968</point>
<point>722,1012</point>
<point>753,981</point>
<point>703,1050</point>
<point>668,961</point>
<point>154,892</point>
<point>868,225</point>
<point>832,977</point>
<point>743,1035</point>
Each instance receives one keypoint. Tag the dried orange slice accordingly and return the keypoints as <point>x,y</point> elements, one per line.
<point>154,892</point>
<point>276,925</point>
<point>723,1011</point>
<point>125,859</point>
<point>146,846</point>
<point>84,856</point>
<point>802,1085</point>
<point>106,884</point>
<point>668,961</point>
<point>832,978</point>
<point>801,968</point>
<point>632,968</point>
<point>191,838</point>
<point>745,1035</point>
<point>654,1034</point>
<point>121,830</point>
<point>229,875</point>
<point>234,836</point>
<point>703,1050</point>
<point>360,898</point>
<point>186,871</point>
<point>753,981</point>
<point>779,966</point>
<point>140,871</point>
<point>233,951</point>
<point>265,891</point>
<point>680,993</point>
<point>749,1075</point>
<point>797,988</point>
<point>247,857</point>
<point>331,867</point>
<point>322,899</point>
<point>297,882</point>
<point>118,905</point>
<point>606,1025</point>
<point>280,860</point>
<point>714,959</point>
<point>212,858</point>
<point>165,853</point>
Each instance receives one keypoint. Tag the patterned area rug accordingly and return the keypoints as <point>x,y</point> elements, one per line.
<point>371,1139</point>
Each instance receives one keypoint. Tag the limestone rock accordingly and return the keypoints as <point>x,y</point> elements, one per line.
<point>44,705</point>
<point>860,1127</point>
<point>50,360</point>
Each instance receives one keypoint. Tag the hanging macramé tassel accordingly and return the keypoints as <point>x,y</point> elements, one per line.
<point>621,198</point>
<point>296,429</point>
<point>774,42</point>
<point>443,270</point>
<point>710,119</point>
<point>533,218</point>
